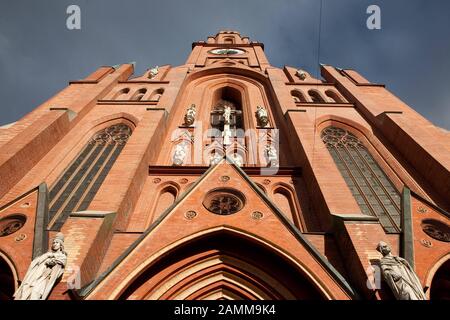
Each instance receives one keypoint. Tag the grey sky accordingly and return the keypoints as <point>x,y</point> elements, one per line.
<point>410,54</point>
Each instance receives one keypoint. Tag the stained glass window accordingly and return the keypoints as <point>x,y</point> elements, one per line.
<point>77,186</point>
<point>372,189</point>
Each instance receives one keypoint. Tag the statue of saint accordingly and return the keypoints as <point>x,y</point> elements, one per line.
<point>399,275</point>
<point>271,155</point>
<point>189,117</point>
<point>261,115</point>
<point>153,72</point>
<point>227,114</point>
<point>180,153</point>
<point>43,272</point>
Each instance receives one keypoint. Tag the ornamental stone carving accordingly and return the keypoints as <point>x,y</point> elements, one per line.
<point>43,272</point>
<point>399,275</point>
<point>436,229</point>
<point>224,201</point>
<point>11,224</point>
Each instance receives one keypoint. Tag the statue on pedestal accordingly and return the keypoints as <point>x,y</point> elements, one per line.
<point>271,155</point>
<point>399,275</point>
<point>153,72</point>
<point>43,272</point>
<point>261,115</point>
<point>189,117</point>
<point>179,154</point>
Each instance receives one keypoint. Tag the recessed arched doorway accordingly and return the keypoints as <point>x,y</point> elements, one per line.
<point>222,266</point>
<point>7,280</point>
<point>440,285</point>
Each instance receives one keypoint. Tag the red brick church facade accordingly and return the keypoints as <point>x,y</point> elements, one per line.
<point>151,208</point>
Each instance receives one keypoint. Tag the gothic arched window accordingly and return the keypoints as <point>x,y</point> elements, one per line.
<point>121,94</point>
<point>316,96</point>
<point>333,96</point>
<point>77,186</point>
<point>370,186</point>
<point>156,95</point>
<point>298,96</point>
<point>139,94</point>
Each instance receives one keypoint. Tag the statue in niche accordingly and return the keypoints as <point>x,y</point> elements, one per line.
<point>189,117</point>
<point>153,72</point>
<point>226,127</point>
<point>399,275</point>
<point>180,153</point>
<point>271,155</point>
<point>262,116</point>
<point>43,272</point>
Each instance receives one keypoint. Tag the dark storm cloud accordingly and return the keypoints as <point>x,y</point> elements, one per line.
<point>410,54</point>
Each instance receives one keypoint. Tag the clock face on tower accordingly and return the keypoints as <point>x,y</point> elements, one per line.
<point>227,51</point>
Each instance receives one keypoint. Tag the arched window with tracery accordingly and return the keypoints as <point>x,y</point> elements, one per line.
<point>333,96</point>
<point>139,94</point>
<point>316,96</point>
<point>77,186</point>
<point>298,96</point>
<point>372,189</point>
<point>156,95</point>
<point>121,94</point>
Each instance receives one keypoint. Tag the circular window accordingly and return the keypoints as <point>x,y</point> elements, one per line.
<point>436,229</point>
<point>227,51</point>
<point>11,224</point>
<point>224,201</point>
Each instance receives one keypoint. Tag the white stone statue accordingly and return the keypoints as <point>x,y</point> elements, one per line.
<point>179,154</point>
<point>237,158</point>
<point>215,159</point>
<point>43,272</point>
<point>271,155</point>
<point>189,117</point>
<point>399,275</point>
<point>227,114</point>
<point>301,74</point>
<point>153,72</point>
<point>226,127</point>
<point>262,116</point>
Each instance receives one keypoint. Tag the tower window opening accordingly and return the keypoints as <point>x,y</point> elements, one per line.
<point>315,96</point>
<point>333,96</point>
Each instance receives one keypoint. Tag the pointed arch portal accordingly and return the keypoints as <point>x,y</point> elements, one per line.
<point>7,280</point>
<point>222,265</point>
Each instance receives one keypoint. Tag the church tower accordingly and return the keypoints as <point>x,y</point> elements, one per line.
<point>225,178</point>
